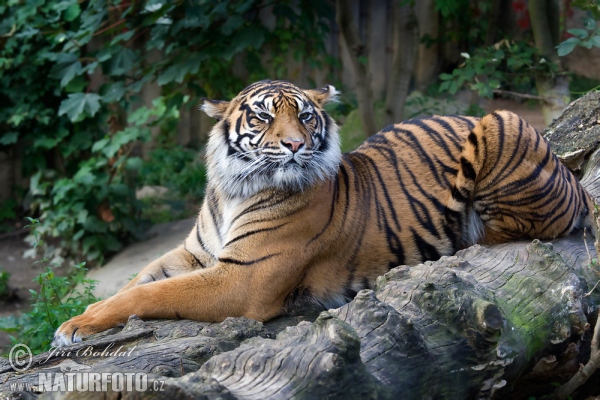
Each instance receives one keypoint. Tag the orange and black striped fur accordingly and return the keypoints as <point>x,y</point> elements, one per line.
<point>288,218</point>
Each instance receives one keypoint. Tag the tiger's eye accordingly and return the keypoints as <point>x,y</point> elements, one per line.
<point>305,116</point>
<point>264,115</point>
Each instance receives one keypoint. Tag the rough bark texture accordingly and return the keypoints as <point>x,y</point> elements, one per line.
<point>358,56</point>
<point>544,16</point>
<point>575,135</point>
<point>466,326</point>
<point>405,42</point>
<point>426,66</point>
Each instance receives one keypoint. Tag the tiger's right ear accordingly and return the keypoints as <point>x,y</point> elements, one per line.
<point>214,108</point>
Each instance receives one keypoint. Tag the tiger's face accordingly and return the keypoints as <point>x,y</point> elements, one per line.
<point>272,135</point>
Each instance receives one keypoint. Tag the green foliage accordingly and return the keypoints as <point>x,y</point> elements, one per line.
<point>182,172</point>
<point>508,65</point>
<point>579,85</point>
<point>70,77</point>
<point>179,169</point>
<point>588,37</point>
<point>5,291</point>
<point>8,210</point>
<point>56,301</point>
<point>462,20</point>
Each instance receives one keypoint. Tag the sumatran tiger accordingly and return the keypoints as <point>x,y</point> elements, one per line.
<point>288,218</point>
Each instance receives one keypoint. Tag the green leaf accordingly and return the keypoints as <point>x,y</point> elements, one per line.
<point>66,71</point>
<point>123,36</point>
<point>580,33</point>
<point>232,23</point>
<point>445,77</point>
<point>105,54</point>
<point>134,163</point>
<point>84,176</point>
<point>78,103</point>
<point>595,41</point>
<point>9,138</point>
<point>248,37</point>
<point>72,12</point>
<point>100,144</point>
<point>589,23</point>
<point>177,72</point>
<point>567,46</point>
<point>494,83</point>
<point>121,62</point>
<point>113,92</point>
<point>77,84</point>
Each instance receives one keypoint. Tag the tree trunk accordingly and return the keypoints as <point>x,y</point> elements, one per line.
<point>426,67</point>
<point>545,15</point>
<point>359,57</point>
<point>405,42</point>
<point>465,326</point>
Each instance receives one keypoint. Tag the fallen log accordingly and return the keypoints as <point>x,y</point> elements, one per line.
<point>473,325</point>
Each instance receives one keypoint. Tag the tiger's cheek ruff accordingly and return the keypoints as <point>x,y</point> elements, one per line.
<point>238,166</point>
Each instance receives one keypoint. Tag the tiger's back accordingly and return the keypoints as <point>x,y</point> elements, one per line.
<point>428,187</point>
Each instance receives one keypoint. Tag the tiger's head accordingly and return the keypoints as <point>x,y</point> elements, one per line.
<point>273,135</point>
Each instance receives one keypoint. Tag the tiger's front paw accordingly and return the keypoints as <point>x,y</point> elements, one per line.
<point>97,318</point>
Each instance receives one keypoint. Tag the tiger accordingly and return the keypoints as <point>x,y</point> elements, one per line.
<point>287,218</point>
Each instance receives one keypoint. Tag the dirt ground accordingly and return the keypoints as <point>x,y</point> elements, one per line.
<point>22,271</point>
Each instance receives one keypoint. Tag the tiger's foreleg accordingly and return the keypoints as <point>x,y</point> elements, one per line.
<point>176,262</point>
<point>226,290</point>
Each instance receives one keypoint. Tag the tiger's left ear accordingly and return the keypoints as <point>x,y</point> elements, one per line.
<point>214,108</point>
<point>322,96</point>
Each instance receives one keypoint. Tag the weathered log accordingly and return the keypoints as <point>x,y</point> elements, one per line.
<point>466,326</point>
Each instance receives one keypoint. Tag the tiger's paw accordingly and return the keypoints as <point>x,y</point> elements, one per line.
<point>97,318</point>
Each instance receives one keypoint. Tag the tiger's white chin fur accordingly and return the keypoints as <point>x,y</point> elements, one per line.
<point>232,176</point>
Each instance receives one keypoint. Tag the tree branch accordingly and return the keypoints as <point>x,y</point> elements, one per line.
<point>522,95</point>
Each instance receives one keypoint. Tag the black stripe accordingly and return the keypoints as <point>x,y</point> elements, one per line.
<point>228,260</point>
<point>472,138</point>
<point>195,258</point>
<point>458,196</point>
<point>428,251</point>
<point>245,235</point>
<point>467,169</point>
<point>331,210</point>
<point>200,241</point>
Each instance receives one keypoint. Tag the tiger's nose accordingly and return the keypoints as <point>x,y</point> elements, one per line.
<point>293,144</point>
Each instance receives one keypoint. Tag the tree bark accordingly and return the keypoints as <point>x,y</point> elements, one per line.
<point>465,326</point>
<point>426,67</point>
<point>405,46</point>
<point>359,57</point>
<point>545,15</point>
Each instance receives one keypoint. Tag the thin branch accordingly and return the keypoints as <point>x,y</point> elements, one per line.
<point>101,31</point>
<point>590,292</point>
<point>522,95</point>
